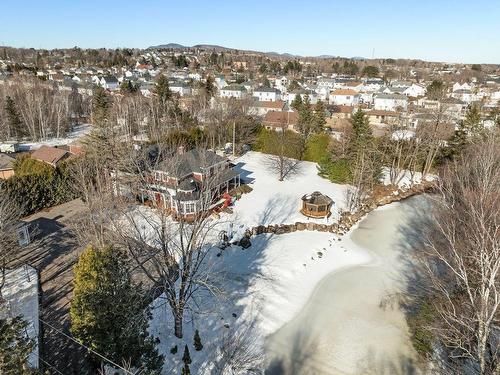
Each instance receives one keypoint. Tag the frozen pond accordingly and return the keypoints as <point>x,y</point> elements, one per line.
<point>350,324</point>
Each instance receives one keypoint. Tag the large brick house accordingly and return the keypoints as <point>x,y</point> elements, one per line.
<point>190,183</point>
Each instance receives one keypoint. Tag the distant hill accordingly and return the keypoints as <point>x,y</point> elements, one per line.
<point>169,45</point>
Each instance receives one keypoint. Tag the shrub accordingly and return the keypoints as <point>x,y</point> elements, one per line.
<point>197,341</point>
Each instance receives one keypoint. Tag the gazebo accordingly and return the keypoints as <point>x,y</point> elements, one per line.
<point>316,205</point>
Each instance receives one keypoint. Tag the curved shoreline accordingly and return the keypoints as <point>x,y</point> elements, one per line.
<point>356,318</point>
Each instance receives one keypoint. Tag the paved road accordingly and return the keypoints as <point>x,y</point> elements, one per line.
<point>54,256</point>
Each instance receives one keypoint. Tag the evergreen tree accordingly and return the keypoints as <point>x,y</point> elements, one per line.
<point>185,370</point>
<point>297,102</point>
<point>319,116</point>
<point>197,341</point>
<point>16,127</point>
<point>14,347</point>
<point>370,71</point>
<point>436,90</point>
<point>209,87</point>
<point>162,91</point>
<point>362,135</point>
<point>108,313</point>
<point>306,119</point>
<point>186,357</point>
<point>472,121</point>
<point>100,107</point>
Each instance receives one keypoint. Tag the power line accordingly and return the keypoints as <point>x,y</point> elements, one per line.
<point>86,347</point>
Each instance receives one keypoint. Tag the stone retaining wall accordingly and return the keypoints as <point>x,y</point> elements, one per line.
<point>347,219</point>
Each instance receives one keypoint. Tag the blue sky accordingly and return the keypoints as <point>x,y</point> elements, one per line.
<point>440,30</point>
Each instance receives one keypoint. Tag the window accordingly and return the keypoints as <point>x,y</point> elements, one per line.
<point>189,207</point>
<point>158,176</point>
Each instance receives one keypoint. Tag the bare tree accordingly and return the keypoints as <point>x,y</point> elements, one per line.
<point>460,258</point>
<point>283,148</point>
<point>172,254</point>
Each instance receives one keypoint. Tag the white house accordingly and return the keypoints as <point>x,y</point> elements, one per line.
<point>464,86</point>
<point>281,84</point>
<point>180,88</point>
<point>220,82</point>
<point>267,94</point>
<point>109,82</point>
<point>344,97</point>
<point>414,90</point>
<point>233,91</point>
<point>390,102</point>
<point>313,97</point>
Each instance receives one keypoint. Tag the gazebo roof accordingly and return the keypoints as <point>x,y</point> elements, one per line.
<point>317,199</point>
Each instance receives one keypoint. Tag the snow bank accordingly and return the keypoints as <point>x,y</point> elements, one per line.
<point>21,293</point>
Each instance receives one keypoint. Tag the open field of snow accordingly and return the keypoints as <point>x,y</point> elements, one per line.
<point>21,293</point>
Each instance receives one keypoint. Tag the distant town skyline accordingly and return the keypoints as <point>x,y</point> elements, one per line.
<point>446,31</point>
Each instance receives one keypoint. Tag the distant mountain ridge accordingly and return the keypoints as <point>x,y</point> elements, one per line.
<point>219,48</point>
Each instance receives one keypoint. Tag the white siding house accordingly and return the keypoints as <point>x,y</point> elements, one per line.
<point>390,102</point>
<point>267,94</point>
<point>344,97</point>
<point>233,91</point>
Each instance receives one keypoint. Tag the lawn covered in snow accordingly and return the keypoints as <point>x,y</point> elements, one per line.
<point>261,288</point>
<point>21,293</point>
<point>78,132</point>
<point>278,202</point>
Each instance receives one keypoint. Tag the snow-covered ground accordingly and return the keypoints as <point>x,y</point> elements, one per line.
<point>279,202</point>
<point>266,285</point>
<point>405,179</point>
<point>78,132</point>
<point>21,293</point>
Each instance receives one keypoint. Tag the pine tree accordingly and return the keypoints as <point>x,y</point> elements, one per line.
<point>107,311</point>
<point>197,341</point>
<point>319,117</point>
<point>16,128</point>
<point>472,121</point>
<point>362,134</point>
<point>162,91</point>
<point>185,370</point>
<point>297,102</point>
<point>186,357</point>
<point>14,347</point>
<point>100,107</point>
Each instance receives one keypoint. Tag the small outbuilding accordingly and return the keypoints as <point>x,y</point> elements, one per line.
<point>316,205</point>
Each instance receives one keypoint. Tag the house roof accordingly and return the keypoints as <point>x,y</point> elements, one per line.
<point>234,87</point>
<point>50,155</point>
<point>193,161</point>
<point>391,96</point>
<point>5,162</point>
<point>275,118</point>
<point>344,92</point>
<point>380,112</point>
<point>266,89</point>
<point>278,104</point>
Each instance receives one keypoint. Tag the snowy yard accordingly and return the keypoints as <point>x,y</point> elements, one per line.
<point>266,285</point>
<point>279,202</point>
<point>21,293</point>
<point>79,131</point>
